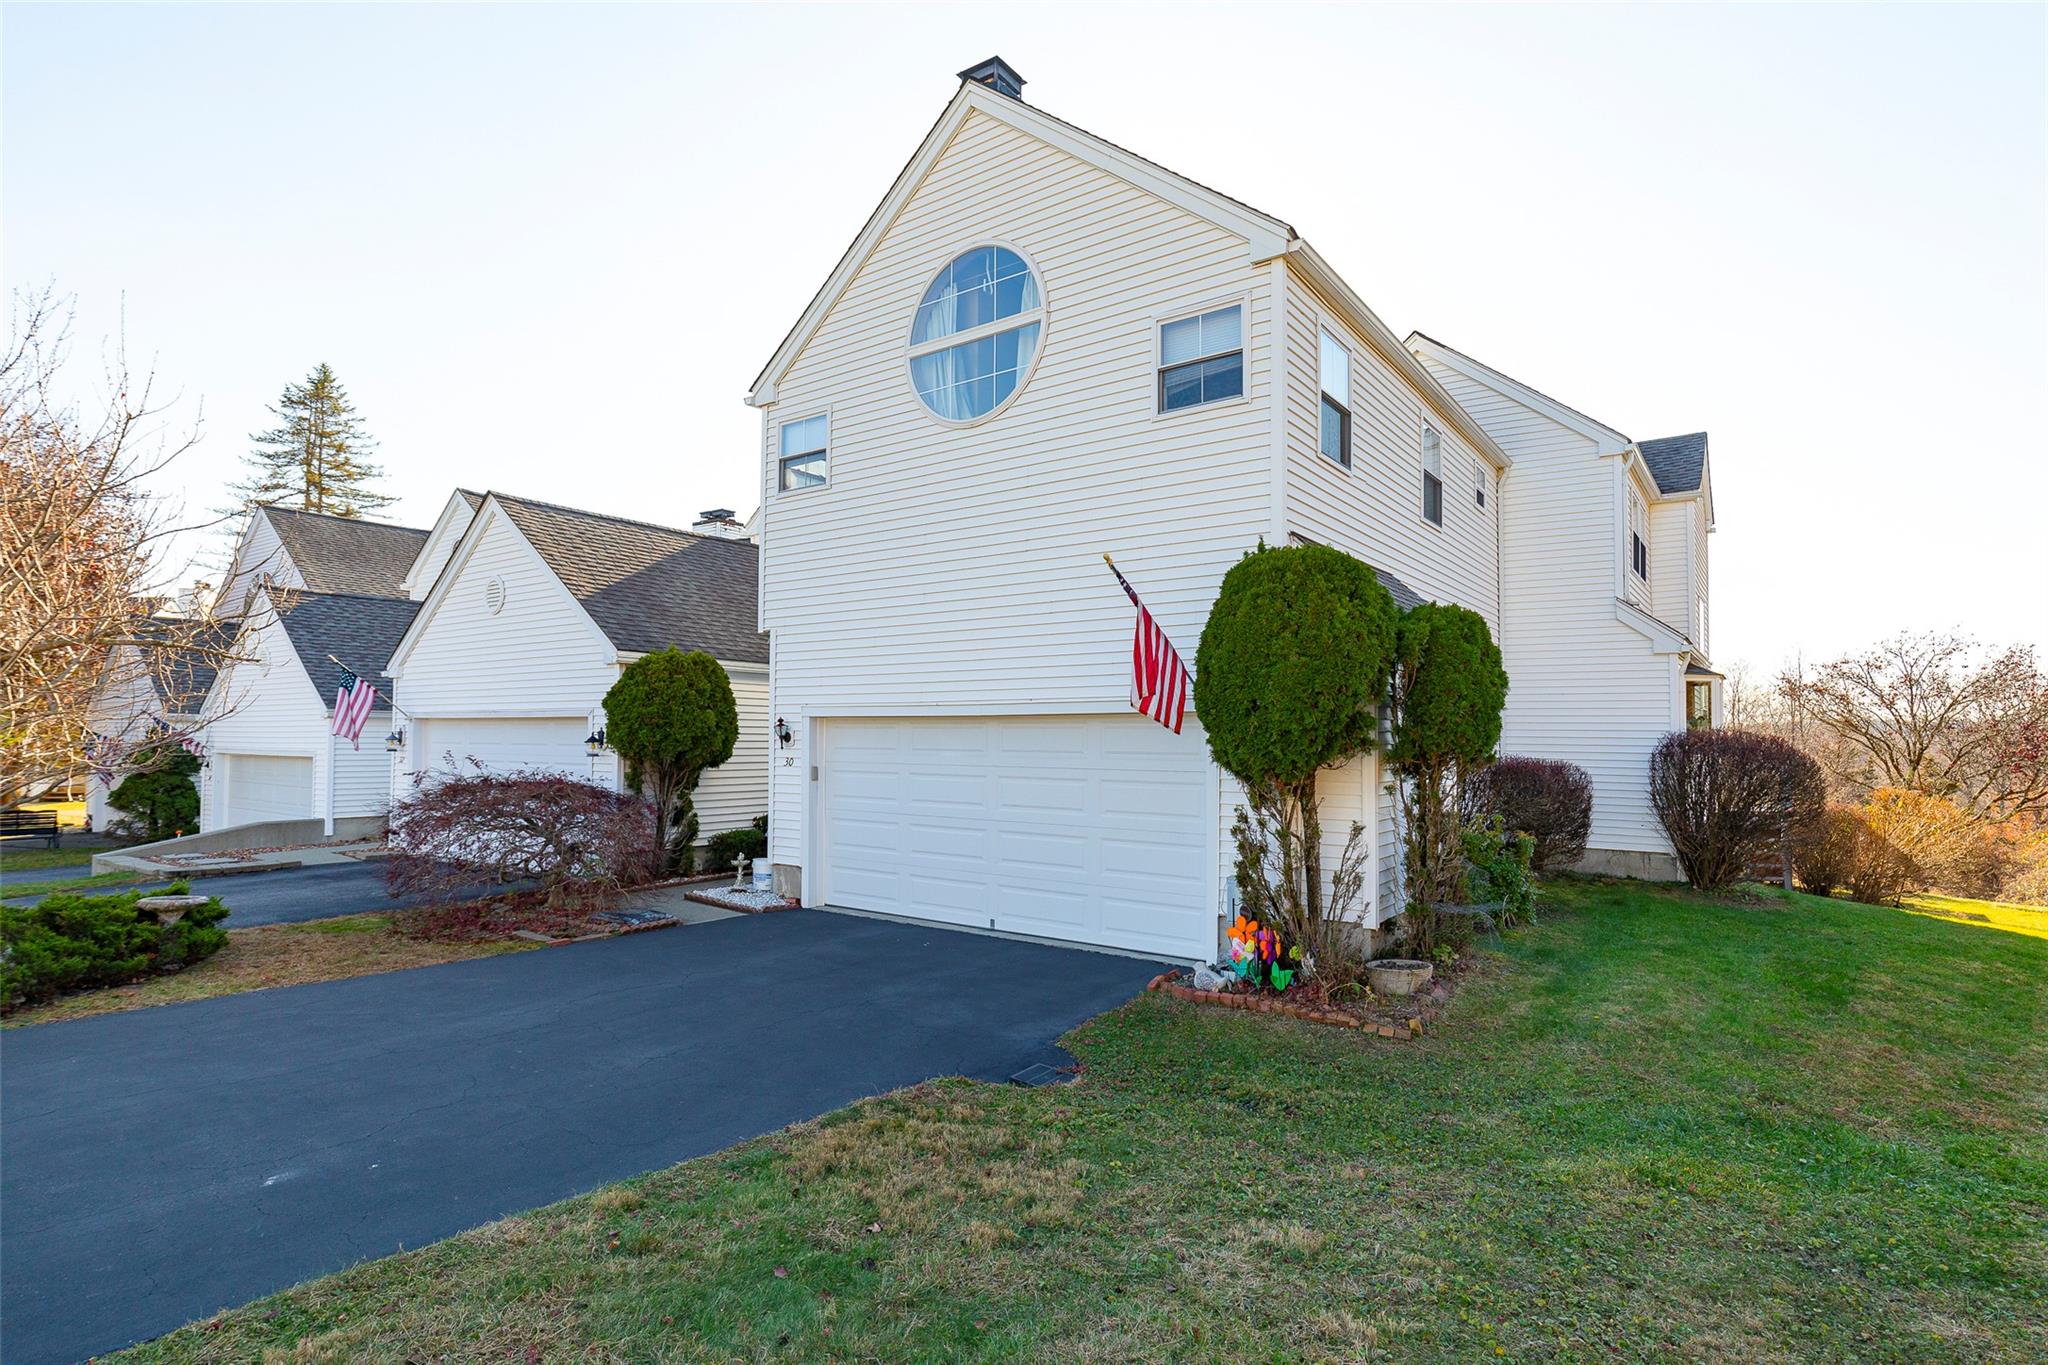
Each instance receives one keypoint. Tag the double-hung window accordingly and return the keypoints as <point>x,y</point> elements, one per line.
<point>1335,436</point>
<point>1201,359</point>
<point>1638,545</point>
<point>1432,477</point>
<point>1479,482</point>
<point>806,454</point>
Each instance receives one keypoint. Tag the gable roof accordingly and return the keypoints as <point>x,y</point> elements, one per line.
<point>358,629</point>
<point>649,587</point>
<point>1265,236</point>
<point>1515,388</point>
<point>182,670</point>
<point>347,554</point>
<point>1405,597</point>
<point>1677,463</point>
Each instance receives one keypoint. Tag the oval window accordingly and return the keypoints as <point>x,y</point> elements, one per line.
<point>976,334</point>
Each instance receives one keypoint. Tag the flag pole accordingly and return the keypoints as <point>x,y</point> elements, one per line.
<point>392,702</point>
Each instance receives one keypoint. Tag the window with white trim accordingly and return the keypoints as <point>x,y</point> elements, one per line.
<point>1638,536</point>
<point>806,457</point>
<point>1432,477</point>
<point>1334,438</point>
<point>976,334</point>
<point>1479,481</point>
<point>1201,359</point>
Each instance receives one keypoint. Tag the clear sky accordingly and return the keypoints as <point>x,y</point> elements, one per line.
<point>547,249</point>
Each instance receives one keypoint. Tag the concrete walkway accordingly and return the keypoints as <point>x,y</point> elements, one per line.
<point>160,1165</point>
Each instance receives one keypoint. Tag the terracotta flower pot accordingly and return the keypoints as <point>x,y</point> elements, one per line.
<point>1398,975</point>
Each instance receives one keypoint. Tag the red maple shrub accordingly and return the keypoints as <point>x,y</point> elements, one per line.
<point>577,840</point>
<point>1726,796</point>
<point>1547,799</point>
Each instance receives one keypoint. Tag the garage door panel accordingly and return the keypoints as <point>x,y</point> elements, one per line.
<point>503,744</point>
<point>268,787</point>
<point>1095,829</point>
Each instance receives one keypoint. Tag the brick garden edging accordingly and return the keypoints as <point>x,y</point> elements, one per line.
<point>1267,1004</point>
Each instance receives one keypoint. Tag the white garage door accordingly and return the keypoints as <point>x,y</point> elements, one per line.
<point>503,743</point>
<point>268,787</point>
<point>1088,828</point>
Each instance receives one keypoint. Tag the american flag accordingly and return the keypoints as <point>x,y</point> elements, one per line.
<point>352,703</point>
<point>1159,681</point>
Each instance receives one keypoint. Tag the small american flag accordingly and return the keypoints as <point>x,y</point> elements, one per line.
<point>1159,681</point>
<point>352,703</point>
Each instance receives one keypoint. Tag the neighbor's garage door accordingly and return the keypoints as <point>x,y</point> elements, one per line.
<point>1088,828</point>
<point>502,744</point>
<point>268,787</point>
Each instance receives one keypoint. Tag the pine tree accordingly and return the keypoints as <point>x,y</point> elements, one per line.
<point>317,457</point>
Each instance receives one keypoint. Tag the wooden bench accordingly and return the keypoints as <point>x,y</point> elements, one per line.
<point>29,824</point>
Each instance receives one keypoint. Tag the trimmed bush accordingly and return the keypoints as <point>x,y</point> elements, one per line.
<point>1289,678</point>
<point>71,942</point>
<point>160,800</point>
<point>1497,867</point>
<point>670,716</point>
<point>1448,691</point>
<point>1547,799</point>
<point>722,850</point>
<point>1727,796</point>
<point>578,840</point>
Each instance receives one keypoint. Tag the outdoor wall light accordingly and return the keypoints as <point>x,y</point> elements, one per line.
<point>782,735</point>
<point>395,741</point>
<point>594,745</point>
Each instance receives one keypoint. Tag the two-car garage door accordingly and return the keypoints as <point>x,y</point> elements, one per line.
<point>1094,829</point>
<point>500,744</point>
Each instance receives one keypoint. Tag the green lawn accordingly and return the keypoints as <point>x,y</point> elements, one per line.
<point>1654,1127</point>
<point>21,859</point>
<point>89,882</point>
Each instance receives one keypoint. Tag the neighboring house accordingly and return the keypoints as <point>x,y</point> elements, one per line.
<point>314,552</point>
<point>1041,348</point>
<point>145,692</point>
<point>308,589</point>
<point>1604,557</point>
<point>524,626</point>
<point>271,753</point>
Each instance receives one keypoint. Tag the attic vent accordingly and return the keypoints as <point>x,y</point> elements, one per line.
<point>494,596</point>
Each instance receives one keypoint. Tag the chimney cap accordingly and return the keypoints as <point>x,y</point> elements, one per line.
<point>716,514</point>
<point>998,75</point>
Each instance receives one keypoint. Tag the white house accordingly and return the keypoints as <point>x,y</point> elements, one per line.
<point>147,692</point>
<point>527,613</point>
<point>1604,558</point>
<point>271,753</point>
<point>1049,348</point>
<point>311,594</point>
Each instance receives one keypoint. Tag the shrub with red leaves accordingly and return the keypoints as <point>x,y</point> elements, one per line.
<point>577,840</point>
<point>1547,799</point>
<point>1727,796</point>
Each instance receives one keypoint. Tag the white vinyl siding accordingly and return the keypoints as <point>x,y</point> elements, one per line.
<point>441,542</point>
<point>1581,686</point>
<point>258,555</point>
<point>1670,586</point>
<point>962,568</point>
<point>265,707</point>
<point>732,794</point>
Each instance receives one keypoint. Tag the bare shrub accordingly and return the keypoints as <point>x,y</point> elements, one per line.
<point>1826,848</point>
<point>577,840</point>
<point>1883,871</point>
<point>1547,799</point>
<point>1272,839</point>
<point>1726,796</point>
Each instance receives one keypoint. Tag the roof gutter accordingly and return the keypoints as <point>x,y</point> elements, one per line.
<point>1316,272</point>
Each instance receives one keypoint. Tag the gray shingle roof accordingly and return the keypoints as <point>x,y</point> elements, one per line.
<point>1677,463</point>
<point>1405,597</point>
<point>346,554</point>
<point>182,670</point>
<point>359,630</point>
<point>649,587</point>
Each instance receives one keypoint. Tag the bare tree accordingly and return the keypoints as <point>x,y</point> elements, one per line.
<point>1935,713</point>
<point>95,665</point>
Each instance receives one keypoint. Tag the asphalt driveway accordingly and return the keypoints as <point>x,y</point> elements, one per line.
<point>160,1165</point>
<point>292,895</point>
